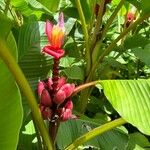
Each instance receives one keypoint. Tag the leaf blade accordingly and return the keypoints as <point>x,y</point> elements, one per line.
<point>131,99</point>
<point>10,105</point>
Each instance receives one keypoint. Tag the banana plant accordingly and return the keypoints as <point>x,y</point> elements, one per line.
<point>74,74</point>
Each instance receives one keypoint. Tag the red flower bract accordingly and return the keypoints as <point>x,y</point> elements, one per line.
<point>56,102</point>
<point>66,111</point>
<point>130,16</point>
<point>55,35</point>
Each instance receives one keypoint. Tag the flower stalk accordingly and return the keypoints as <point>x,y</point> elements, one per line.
<point>84,95</point>
<point>86,37</point>
<point>55,93</point>
<point>55,76</point>
<point>104,32</point>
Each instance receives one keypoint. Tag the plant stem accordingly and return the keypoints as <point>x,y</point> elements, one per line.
<point>109,22</point>
<point>27,91</point>
<point>53,126</point>
<point>7,3</point>
<point>55,76</point>
<point>40,144</point>
<point>95,132</point>
<point>84,98</point>
<point>14,15</point>
<point>98,22</point>
<point>112,17</point>
<point>83,86</point>
<point>92,21</point>
<point>86,36</point>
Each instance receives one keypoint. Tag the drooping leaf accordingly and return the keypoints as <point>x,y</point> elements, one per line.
<point>29,7</point>
<point>138,141</point>
<point>131,99</point>
<point>10,110</point>
<point>135,41</point>
<point>6,35</point>
<point>36,5</point>
<point>5,26</point>
<point>64,3</point>
<point>27,139</point>
<point>2,4</point>
<point>86,10</point>
<point>73,129</point>
<point>72,11</point>
<point>67,61</point>
<point>145,5</point>
<point>69,25</point>
<point>136,3</point>
<point>74,72</point>
<point>33,63</point>
<point>143,54</point>
<point>52,5</point>
<point>12,45</point>
<point>71,49</point>
<point>22,5</point>
<point>30,42</point>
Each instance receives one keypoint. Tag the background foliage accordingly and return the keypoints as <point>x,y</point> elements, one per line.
<point>22,24</point>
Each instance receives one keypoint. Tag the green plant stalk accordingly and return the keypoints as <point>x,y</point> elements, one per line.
<point>113,44</point>
<point>112,17</point>
<point>84,98</point>
<point>92,21</point>
<point>119,22</point>
<point>14,16</point>
<point>95,132</point>
<point>26,89</point>
<point>86,37</point>
<point>109,22</point>
<point>39,139</point>
<point>98,23</point>
<point>7,3</point>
